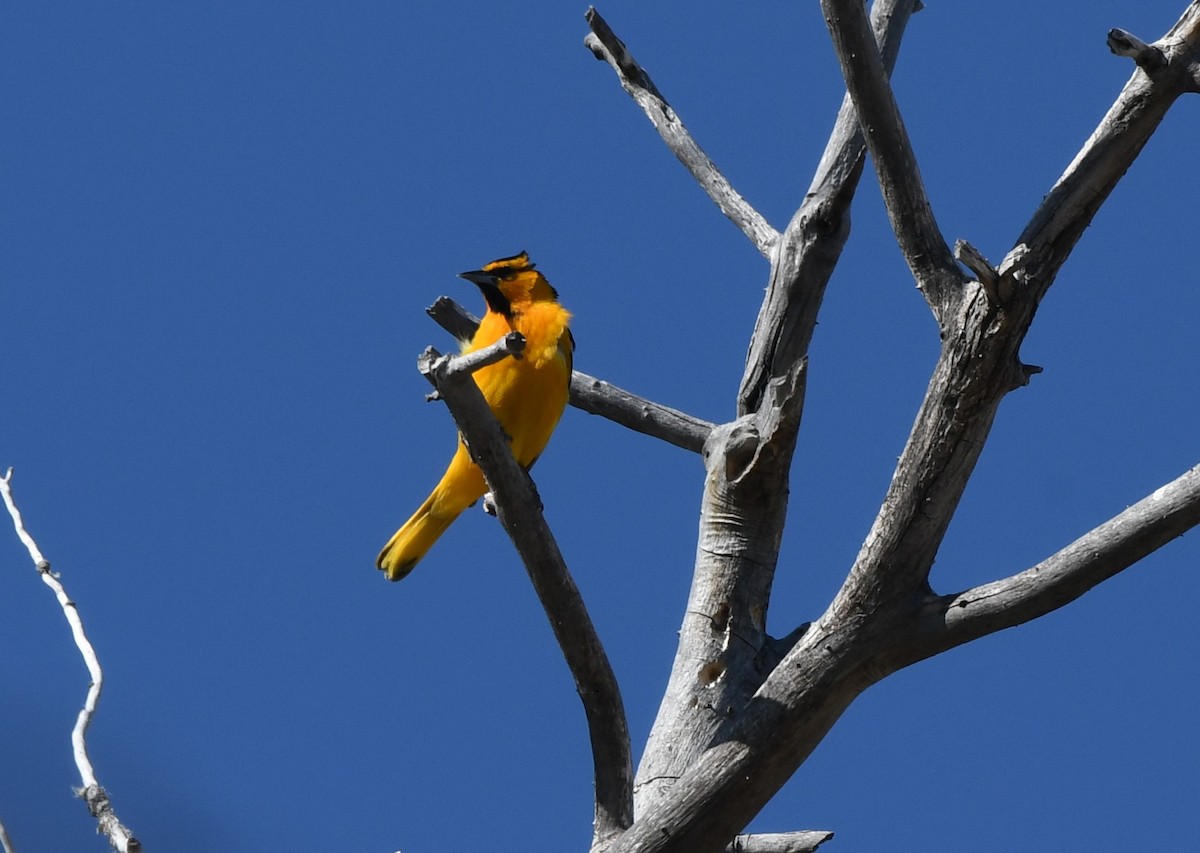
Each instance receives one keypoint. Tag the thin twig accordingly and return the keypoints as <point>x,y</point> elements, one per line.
<point>6,843</point>
<point>92,793</point>
<point>520,511</point>
<point>597,396</point>
<point>908,206</point>
<point>607,47</point>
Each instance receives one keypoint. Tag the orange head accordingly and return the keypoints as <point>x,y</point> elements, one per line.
<point>511,283</point>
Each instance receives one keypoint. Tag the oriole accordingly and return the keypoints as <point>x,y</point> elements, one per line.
<point>527,396</point>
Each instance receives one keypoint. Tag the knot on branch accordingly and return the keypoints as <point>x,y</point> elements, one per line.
<point>769,433</point>
<point>739,444</point>
<point>826,220</point>
<point>1018,269</point>
<point>101,808</point>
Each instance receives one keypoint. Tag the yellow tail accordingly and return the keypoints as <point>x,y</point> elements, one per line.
<point>460,487</point>
<point>411,542</point>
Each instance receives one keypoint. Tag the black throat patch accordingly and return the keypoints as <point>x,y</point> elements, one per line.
<point>496,299</point>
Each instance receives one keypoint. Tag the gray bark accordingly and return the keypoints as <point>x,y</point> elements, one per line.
<point>742,710</point>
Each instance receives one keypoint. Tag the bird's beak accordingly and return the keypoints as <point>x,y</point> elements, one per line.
<point>479,277</point>
<point>489,285</point>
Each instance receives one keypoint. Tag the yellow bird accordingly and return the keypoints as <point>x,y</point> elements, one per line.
<point>527,396</point>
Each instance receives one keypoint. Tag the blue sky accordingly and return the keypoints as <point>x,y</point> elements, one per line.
<point>221,223</point>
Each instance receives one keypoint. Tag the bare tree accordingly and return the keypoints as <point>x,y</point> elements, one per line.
<point>743,710</point>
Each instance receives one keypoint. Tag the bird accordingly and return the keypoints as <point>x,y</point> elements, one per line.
<point>527,395</point>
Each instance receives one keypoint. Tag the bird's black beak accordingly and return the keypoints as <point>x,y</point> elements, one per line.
<point>481,278</point>
<point>489,283</point>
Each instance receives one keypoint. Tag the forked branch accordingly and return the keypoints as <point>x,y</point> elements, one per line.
<point>520,511</point>
<point>1115,545</point>
<point>860,637</point>
<point>723,649</point>
<point>979,361</point>
<point>811,245</point>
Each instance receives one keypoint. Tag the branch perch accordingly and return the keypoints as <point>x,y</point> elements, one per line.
<point>596,396</point>
<point>605,45</point>
<point>519,510</point>
<point>98,803</point>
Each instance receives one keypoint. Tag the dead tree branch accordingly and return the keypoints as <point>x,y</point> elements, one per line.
<point>951,620</point>
<point>452,317</point>
<point>121,839</point>
<point>979,363</point>
<point>520,511</point>
<point>596,396</point>
<point>909,210</point>
<point>1124,43</point>
<point>1072,202</point>
<point>723,645</point>
<point>985,273</point>
<point>761,740</point>
<point>605,45</point>
<point>779,842</point>
<point>812,243</point>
